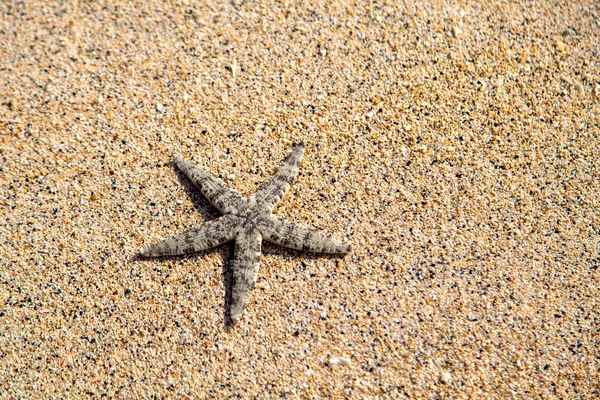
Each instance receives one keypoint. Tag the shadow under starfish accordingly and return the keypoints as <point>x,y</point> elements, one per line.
<point>248,222</point>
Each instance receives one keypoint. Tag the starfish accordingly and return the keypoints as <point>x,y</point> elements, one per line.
<point>248,222</point>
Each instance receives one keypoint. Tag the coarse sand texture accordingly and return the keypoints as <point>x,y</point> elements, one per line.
<point>454,143</point>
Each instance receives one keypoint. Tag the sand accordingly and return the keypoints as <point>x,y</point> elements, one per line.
<point>454,144</point>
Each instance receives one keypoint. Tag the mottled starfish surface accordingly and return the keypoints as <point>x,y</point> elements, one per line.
<point>248,222</point>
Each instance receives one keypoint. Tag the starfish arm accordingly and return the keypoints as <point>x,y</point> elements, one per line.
<point>207,235</point>
<point>273,188</point>
<point>245,270</point>
<point>214,189</point>
<point>296,237</point>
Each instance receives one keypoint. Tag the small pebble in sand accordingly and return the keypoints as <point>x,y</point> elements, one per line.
<point>456,31</point>
<point>339,361</point>
<point>560,46</point>
<point>446,377</point>
<point>14,105</point>
<point>566,79</point>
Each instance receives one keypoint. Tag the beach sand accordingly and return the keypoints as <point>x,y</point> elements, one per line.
<point>454,144</point>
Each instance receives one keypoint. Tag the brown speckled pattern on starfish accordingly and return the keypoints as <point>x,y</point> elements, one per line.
<point>247,222</point>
